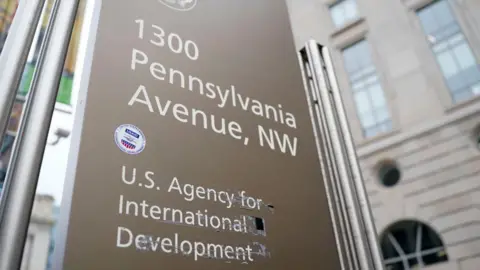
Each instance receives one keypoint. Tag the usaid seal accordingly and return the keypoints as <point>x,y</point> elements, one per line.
<point>130,139</point>
<point>180,5</point>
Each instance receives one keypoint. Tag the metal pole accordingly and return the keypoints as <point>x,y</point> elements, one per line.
<point>341,162</point>
<point>324,167</point>
<point>25,167</point>
<point>14,55</point>
<point>326,154</point>
<point>339,191</point>
<point>358,181</point>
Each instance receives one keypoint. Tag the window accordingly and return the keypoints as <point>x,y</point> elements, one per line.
<point>343,11</point>
<point>389,174</point>
<point>452,51</point>
<point>476,137</point>
<point>409,245</point>
<point>477,141</point>
<point>367,90</point>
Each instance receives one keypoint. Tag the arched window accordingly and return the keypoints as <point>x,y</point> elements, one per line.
<point>408,245</point>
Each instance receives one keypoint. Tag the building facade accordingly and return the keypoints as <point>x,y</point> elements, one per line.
<point>409,76</point>
<point>37,244</point>
<point>56,215</point>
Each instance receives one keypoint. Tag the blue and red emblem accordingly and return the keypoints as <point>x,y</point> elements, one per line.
<point>130,139</point>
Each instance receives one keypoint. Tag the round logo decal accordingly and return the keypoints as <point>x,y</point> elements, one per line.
<point>130,139</point>
<point>180,5</point>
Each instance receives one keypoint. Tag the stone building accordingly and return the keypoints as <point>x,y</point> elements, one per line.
<point>409,75</point>
<point>37,245</point>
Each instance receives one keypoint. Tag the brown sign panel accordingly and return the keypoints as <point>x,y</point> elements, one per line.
<point>197,148</point>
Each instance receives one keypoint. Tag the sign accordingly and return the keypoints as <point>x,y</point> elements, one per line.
<point>228,176</point>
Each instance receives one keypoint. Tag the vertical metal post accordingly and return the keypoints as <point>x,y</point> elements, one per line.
<point>25,165</point>
<point>332,199</point>
<point>15,53</point>
<point>358,222</point>
<point>340,164</point>
<point>358,181</point>
<point>341,222</point>
<point>339,192</point>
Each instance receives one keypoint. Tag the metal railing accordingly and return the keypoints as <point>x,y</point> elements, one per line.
<point>350,210</point>
<point>24,167</point>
